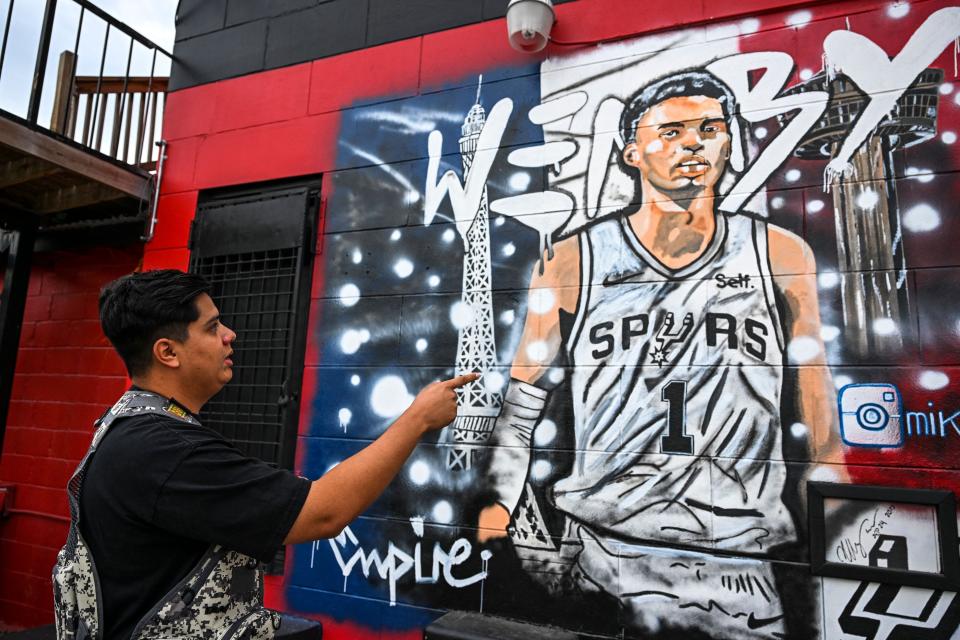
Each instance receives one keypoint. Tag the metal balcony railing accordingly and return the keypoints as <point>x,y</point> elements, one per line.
<point>107,90</point>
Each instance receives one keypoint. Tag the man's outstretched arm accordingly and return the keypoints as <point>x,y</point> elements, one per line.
<point>346,490</point>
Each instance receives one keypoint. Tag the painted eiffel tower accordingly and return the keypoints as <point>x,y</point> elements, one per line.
<point>476,347</point>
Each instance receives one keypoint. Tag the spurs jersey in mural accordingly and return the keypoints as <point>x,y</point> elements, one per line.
<point>676,384</point>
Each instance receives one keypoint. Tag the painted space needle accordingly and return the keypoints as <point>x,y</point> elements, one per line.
<point>872,264</point>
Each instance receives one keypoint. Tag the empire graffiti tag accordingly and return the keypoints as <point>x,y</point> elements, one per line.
<point>396,563</point>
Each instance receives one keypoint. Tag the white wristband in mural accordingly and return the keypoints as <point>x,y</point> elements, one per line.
<point>523,406</point>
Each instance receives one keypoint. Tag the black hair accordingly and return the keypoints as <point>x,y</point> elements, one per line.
<point>687,83</point>
<point>139,309</point>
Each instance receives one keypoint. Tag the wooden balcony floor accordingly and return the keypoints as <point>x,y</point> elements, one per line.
<point>48,181</point>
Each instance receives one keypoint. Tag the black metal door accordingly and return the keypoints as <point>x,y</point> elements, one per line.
<point>256,248</point>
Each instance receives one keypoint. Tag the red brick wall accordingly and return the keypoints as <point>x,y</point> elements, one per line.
<point>66,374</point>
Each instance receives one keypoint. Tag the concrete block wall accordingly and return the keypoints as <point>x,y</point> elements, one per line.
<point>389,315</point>
<point>66,375</point>
<point>218,39</point>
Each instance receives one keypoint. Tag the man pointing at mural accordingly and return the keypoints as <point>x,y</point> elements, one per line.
<point>673,318</point>
<point>169,520</point>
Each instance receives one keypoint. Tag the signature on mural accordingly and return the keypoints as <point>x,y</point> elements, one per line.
<point>852,550</point>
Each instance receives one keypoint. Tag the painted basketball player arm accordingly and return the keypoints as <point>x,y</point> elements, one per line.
<point>346,490</point>
<point>524,401</point>
<point>794,275</point>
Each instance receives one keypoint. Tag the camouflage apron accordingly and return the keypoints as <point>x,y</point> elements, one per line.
<point>220,599</point>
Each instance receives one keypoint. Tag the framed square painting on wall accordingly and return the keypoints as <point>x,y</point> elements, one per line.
<point>884,534</point>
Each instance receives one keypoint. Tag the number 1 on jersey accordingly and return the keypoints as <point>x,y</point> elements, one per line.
<point>676,440</point>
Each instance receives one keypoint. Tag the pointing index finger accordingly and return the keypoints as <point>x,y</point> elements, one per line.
<point>460,381</point>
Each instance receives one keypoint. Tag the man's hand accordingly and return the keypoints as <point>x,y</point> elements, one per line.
<point>436,405</point>
<point>352,486</point>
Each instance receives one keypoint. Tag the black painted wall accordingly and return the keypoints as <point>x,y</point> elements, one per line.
<point>219,39</point>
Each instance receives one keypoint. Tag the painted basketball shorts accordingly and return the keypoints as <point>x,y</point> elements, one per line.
<point>663,588</point>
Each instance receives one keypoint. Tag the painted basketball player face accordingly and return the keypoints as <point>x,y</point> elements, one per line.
<point>682,142</point>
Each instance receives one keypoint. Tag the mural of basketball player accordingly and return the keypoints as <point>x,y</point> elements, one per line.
<point>673,319</point>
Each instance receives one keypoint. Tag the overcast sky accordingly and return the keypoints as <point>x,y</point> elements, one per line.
<point>152,18</point>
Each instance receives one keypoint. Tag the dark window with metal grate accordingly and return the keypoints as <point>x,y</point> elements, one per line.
<point>255,293</point>
<point>255,248</point>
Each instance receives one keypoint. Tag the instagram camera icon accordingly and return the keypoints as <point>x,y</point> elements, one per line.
<point>871,415</point>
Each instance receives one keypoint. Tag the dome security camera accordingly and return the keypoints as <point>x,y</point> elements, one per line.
<point>529,23</point>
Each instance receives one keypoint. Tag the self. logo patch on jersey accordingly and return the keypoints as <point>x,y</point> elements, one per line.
<point>739,281</point>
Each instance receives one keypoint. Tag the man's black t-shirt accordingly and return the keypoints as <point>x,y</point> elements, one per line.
<point>157,493</point>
